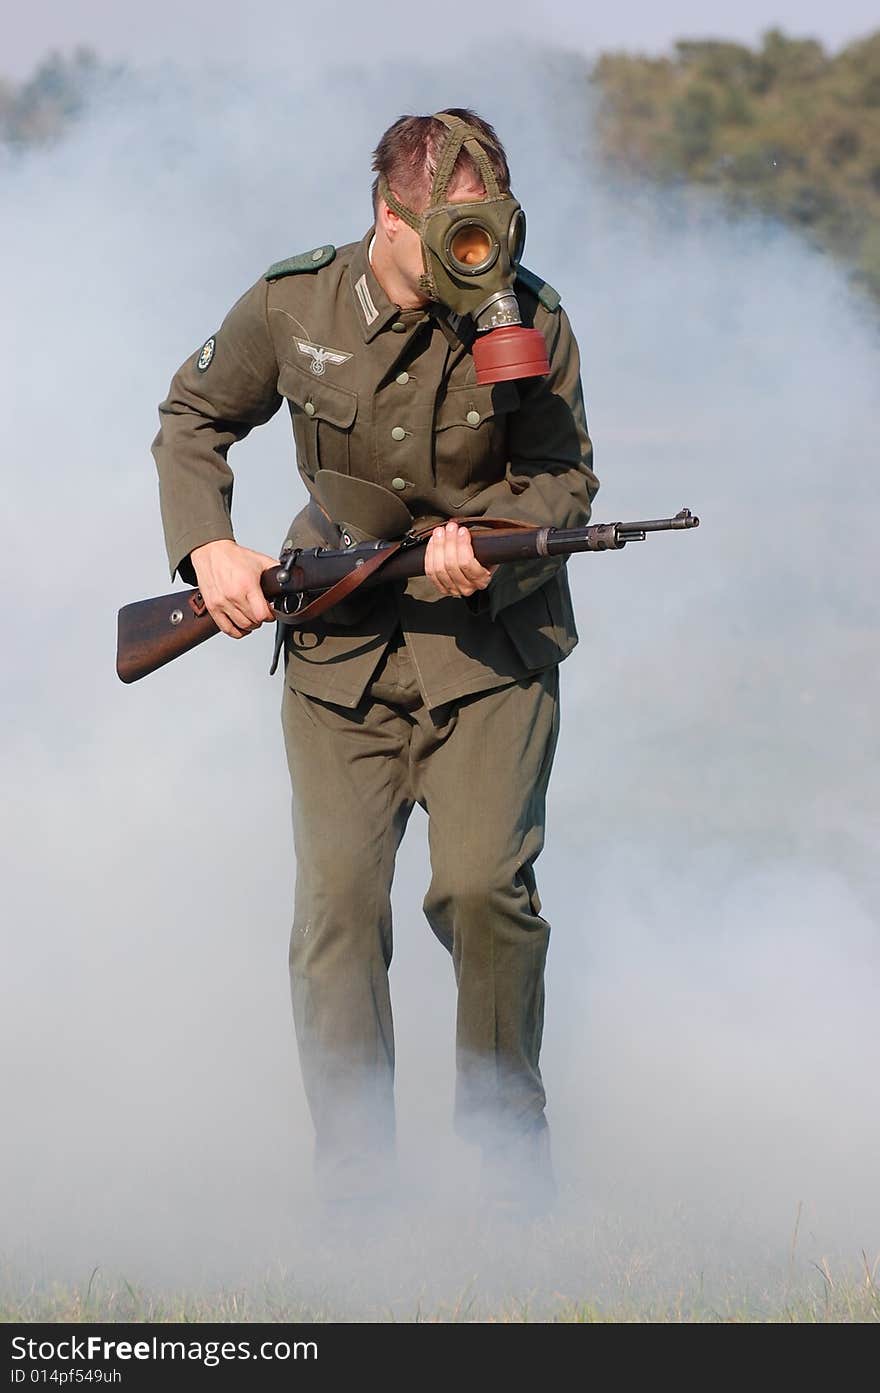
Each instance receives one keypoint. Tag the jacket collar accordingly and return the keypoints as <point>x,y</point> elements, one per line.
<point>375,311</point>
<point>371,305</point>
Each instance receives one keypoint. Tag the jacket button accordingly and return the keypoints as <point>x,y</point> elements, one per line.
<point>402,378</point>
<point>398,484</point>
<point>398,433</point>
<point>309,408</point>
<point>398,327</point>
<point>473,418</point>
<point>317,253</point>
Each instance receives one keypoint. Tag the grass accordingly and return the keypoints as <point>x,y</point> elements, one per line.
<point>818,1297</point>
<point>587,1263</point>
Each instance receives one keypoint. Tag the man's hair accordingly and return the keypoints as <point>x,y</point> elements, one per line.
<point>408,152</point>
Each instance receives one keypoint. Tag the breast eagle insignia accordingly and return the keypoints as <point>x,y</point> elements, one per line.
<point>321,356</point>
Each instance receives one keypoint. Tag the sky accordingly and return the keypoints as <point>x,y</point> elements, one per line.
<point>267,33</point>
<point>711,866</point>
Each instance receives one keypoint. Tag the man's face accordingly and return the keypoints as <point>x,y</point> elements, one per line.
<point>406,246</point>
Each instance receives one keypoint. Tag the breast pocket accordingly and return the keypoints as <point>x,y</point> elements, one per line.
<point>470,438</point>
<point>323,417</point>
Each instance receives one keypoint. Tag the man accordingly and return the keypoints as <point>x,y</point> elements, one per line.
<point>442,690</point>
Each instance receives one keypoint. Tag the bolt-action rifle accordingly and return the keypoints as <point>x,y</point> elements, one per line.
<point>152,633</point>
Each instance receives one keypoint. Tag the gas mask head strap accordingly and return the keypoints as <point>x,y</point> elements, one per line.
<point>460,134</point>
<point>397,207</point>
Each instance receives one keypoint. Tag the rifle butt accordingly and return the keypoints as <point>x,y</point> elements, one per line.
<point>151,633</point>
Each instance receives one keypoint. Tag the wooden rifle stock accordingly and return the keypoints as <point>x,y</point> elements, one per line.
<point>154,632</point>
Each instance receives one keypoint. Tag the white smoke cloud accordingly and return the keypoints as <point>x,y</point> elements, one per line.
<point>710,874</point>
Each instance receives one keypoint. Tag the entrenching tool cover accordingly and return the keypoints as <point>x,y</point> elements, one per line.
<point>367,511</point>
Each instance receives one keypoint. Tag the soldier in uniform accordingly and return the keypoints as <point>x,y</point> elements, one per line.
<point>442,690</point>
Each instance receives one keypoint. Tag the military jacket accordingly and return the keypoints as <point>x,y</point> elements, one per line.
<point>388,396</point>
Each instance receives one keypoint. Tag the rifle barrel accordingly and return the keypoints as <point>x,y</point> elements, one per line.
<point>317,570</point>
<point>683,519</point>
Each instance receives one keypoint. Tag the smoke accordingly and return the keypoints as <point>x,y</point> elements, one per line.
<point>710,872</point>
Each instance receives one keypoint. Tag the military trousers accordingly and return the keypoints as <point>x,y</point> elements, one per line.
<point>479,767</point>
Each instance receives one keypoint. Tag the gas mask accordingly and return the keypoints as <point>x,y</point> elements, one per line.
<point>470,253</point>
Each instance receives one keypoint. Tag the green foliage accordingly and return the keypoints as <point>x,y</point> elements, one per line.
<point>695,120</point>
<point>785,127</point>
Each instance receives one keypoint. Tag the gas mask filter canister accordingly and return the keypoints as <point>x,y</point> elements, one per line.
<point>470,252</point>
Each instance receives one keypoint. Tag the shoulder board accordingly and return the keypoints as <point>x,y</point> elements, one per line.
<point>550,298</point>
<point>306,261</point>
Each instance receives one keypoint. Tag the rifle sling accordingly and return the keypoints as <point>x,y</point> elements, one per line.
<point>357,575</point>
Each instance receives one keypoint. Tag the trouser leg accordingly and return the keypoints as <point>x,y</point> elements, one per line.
<point>483,778</point>
<point>350,807</point>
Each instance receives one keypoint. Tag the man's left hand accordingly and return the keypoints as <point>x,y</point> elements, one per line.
<point>451,564</point>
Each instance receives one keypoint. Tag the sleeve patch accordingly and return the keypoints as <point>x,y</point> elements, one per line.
<point>203,362</point>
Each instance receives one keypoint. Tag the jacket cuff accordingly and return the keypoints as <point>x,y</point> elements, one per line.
<point>179,550</point>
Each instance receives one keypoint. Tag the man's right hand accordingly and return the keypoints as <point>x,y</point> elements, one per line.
<point>229,579</point>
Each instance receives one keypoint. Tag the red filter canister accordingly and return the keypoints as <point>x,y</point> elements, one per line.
<point>510,352</point>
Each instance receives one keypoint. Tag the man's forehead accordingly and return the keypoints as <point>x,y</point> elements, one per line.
<point>466,191</point>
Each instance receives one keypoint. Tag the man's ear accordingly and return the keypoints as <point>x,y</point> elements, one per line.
<point>388,220</point>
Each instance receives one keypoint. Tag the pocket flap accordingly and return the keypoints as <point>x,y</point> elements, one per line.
<point>327,402</point>
<point>472,405</point>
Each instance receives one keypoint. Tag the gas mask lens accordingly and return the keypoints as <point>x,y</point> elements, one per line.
<point>471,249</point>
<point>516,237</point>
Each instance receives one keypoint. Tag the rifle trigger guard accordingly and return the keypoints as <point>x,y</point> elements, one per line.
<point>281,609</point>
<point>197,604</point>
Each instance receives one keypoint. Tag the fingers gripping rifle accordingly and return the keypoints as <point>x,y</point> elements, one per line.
<point>152,633</point>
